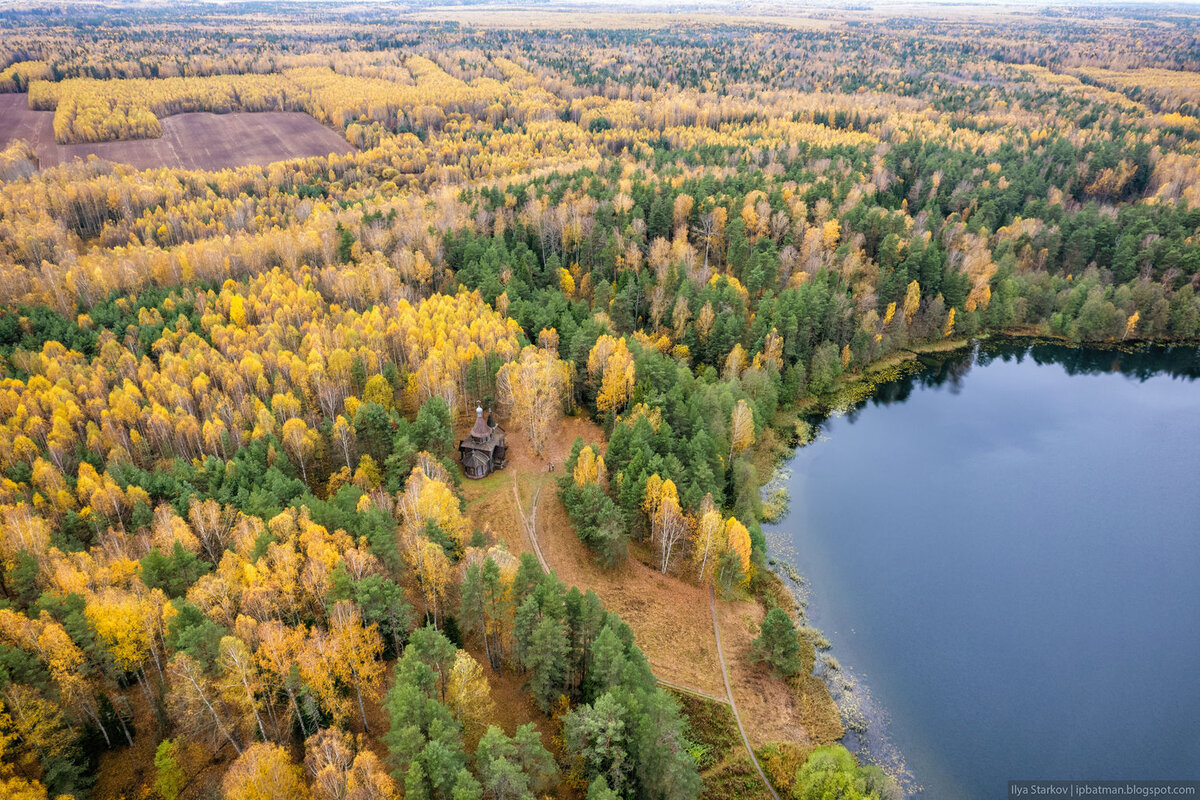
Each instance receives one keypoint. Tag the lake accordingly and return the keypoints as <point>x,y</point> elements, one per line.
<point>1004,550</point>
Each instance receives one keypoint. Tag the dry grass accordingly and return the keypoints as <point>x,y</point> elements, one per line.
<point>489,502</point>
<point>819,714</point>
<point>711,728</point>
<point>669,617</point>
<point>734,779</point>
<point>773,710</point>
<point>491,509</point>
<point>679,645</point>
<point>781,760</point>
<point>717,745</point>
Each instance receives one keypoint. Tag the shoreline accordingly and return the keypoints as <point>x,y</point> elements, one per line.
<point>866,722</point>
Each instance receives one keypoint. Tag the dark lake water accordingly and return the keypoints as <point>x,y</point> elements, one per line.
<point>1004,550</point>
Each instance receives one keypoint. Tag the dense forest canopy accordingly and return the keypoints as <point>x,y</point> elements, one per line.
<point>235,559</point>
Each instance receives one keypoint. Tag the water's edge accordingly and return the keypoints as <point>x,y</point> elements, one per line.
<point>866,719</point>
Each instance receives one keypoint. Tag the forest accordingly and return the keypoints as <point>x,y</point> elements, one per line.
<point>239,559</point>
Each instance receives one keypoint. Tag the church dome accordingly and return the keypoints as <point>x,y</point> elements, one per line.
<point>480,430</point>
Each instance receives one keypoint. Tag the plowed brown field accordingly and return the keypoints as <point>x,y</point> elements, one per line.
<point>189,141</point>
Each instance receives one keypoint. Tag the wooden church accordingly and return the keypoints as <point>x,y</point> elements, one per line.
<point>483,451</point>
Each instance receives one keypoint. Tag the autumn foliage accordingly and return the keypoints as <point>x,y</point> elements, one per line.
<point>231,529</point>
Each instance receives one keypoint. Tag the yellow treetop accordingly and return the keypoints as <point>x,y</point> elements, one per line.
<point>586,467</point>
<point>264,771</point>
<point>612,360</point>
<point>738,539</point>
<point>912,301</point>
<point>535,386</point>
<point>468,693</point>
<point>741,428</point>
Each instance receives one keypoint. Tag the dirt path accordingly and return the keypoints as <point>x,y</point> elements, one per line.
<point>712,607</point>
<point>530,522</point>
<point>688,690</point>
<point>675,647</point>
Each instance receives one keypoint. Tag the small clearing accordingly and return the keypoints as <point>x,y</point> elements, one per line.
<point>670,618</point>
<point>773,710</point>
<point>520,504</point>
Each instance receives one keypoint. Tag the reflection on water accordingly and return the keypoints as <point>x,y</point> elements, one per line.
<point>1001,547</point>
<point>1140,363</point>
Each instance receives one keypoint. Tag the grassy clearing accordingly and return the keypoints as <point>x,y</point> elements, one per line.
<point>668,616</point>
<point>680,646</point>
<point>711,729</point>
<point>734,779</point>
<point>662,611</point>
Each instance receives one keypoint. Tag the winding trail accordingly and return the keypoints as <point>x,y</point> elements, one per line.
<point>712,607</point>
<point>530,524</point>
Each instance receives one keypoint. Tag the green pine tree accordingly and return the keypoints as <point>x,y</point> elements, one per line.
<point>777,643</point>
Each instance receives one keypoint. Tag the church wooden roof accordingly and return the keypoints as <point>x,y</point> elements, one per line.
<point>480,430</point>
